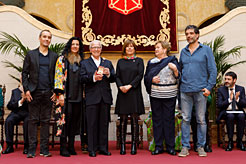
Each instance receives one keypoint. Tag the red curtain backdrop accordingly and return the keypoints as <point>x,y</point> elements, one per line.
<point>145,21</point>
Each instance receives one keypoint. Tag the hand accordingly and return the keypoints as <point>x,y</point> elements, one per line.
<point>123,89</point>
<point>206,92</point>
<point>237,95</point>
<point>128,87</point>
<point>156,79</point>
<point>231,94</point>
<point>23,98</point>
<point>28,96</point>
<point>106,71</point>
<point>61,100</point>
<point>53,97</point>
<point>98,77</point>
<point>172,67</point>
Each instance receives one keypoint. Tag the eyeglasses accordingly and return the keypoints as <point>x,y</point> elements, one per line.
<point>96,47</point>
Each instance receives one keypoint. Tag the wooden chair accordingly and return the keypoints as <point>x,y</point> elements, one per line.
<point>221,129</point>
<point>140,137</point>
<point>3,88</point>
<point>52,134</point>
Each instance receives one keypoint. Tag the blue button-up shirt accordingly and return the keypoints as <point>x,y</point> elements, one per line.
<point>198,70</point>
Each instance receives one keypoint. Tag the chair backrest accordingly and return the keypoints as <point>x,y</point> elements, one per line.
<point>2,99</point>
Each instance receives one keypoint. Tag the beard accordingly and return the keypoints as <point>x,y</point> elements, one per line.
<point>228,85</point>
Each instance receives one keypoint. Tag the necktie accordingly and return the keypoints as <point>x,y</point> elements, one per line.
<point>233,104</point>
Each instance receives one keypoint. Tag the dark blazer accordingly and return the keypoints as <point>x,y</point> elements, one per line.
<point>223,103</point>
<point>30,73</point>
<point>13,102</point>
<point>96,91</point>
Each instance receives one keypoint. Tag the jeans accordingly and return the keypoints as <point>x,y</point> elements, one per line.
<point>199,101</point>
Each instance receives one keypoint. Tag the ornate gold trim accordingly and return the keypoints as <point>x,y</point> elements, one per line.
<point>88,35</point>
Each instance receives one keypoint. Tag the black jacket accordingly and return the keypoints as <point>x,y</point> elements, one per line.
<point>13,102</point>
<point>30,73</point>
<point>99,90</point>
<point>223,103</point>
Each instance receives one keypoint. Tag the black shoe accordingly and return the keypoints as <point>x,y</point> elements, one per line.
<point>92,154</point>
<point>171,152</point>
<point>72,151</point>
<point>207,149</point>
<point>8,150</point>
<point>134,149</point>
<point>123,149</point>
<point>30,155</point>
<point>156,152</point>
<point>64,152</point>
<point>45,154</point>
<point>25,151</point>
<point>84,148</point>
<point>241,146</point>
<point>105,153</point>
<point>195,148</point>
<point>229,146</point>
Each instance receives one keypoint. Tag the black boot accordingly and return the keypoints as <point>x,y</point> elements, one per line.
<point>240,145</point>
<point>25,151</point>
<point>71,149</point>
<point>63,149</point>
<point>230,145</point>
<point>123,125</point>
<point>207,148</point>
<point>134,131</point>
<point>9,149</point>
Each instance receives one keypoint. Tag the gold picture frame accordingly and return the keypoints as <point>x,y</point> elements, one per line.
<point>140,40</point>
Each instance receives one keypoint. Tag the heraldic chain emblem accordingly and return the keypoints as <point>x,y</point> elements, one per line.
<point>125,6</point>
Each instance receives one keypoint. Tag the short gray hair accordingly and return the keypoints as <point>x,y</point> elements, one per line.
<point>95,42</point>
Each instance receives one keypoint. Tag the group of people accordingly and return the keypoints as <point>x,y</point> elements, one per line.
<point>73,82</point>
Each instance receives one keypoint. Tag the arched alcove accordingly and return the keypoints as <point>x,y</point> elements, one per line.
<point>45,21</point>
<point>210,21</point>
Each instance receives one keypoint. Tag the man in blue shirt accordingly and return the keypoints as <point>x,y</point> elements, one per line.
<point>197,80</point>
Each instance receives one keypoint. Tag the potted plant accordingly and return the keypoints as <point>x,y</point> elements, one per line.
<point>223,65</point>
<point>12,42</point>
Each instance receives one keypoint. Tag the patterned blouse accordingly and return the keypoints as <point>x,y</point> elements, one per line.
<point>168,87</point>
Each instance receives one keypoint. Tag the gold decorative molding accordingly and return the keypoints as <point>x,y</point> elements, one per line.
<point>33,21</point>
<point>88,35</point>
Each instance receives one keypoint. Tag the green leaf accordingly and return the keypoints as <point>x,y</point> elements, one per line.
<point>11,43</point>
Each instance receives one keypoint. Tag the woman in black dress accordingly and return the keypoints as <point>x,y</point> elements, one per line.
<point>129,74</point>
<point>68,89</point>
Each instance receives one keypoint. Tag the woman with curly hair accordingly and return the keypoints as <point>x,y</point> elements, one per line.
<point>69,93</point>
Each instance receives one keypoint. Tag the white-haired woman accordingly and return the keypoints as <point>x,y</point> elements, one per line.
<point>97,73</point>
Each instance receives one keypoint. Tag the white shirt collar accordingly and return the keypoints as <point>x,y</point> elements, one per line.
<point>97,62</point>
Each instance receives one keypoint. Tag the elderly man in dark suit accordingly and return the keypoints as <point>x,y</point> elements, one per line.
<point>231,101</point>
<point>38,83</point>
<point>97,73</point>
<point>19,108</point>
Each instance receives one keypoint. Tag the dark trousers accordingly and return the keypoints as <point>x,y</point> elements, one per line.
<point>194,127</point>
<point>83,133</point>
<point>13,119</point>
<point>39,113</point>
<point>73,117</point>
<point>163,116</point>
<point>97,126</point>
<point>240,118</point>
